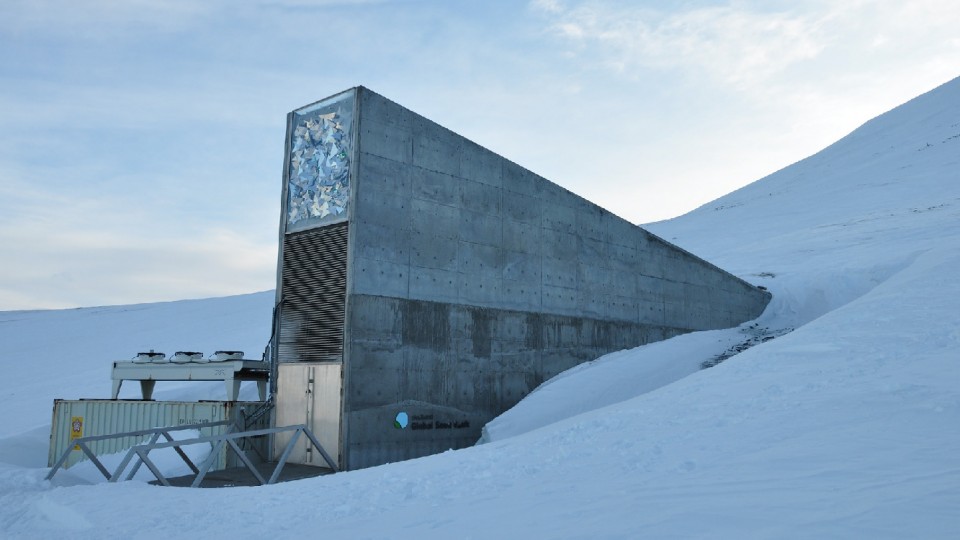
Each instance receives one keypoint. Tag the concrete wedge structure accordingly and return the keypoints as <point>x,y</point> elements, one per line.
<point>426,284</point>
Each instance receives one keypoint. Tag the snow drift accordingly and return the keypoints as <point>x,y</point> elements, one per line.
<point>844,427</point>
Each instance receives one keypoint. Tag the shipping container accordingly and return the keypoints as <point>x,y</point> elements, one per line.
<point>73,419</point>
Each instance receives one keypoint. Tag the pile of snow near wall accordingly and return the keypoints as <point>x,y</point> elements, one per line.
<point>842,425</point>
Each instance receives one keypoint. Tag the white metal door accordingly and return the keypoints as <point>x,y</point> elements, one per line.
<point>309,393</point>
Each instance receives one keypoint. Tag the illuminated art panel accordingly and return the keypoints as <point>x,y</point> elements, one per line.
<point>321,145</point>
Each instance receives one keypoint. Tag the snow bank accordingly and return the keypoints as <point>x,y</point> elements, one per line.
<point>845,427</point>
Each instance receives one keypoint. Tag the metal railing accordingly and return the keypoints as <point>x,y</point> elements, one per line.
<point>228,438</point>
<point>155,434</point>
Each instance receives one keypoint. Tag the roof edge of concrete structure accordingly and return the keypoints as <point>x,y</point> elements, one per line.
<point>361,88</point>
<point>426,284</point>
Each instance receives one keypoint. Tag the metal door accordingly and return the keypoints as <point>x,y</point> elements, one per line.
<point>309,393</point>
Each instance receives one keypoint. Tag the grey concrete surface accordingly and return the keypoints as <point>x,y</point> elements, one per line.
<point>472,280</point>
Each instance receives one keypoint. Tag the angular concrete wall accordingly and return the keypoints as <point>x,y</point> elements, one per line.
<point>472,280</point>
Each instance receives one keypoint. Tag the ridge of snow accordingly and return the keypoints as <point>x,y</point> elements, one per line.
<point>845,427</point>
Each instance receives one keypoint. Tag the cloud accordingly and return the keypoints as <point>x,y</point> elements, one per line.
<point>744,44</point>
<point>100,19</point>
<point>136,134</point>
<point>800,74</point>
<point>322,3</point>
<point>736,45</point>
<point>77,265</point>
<point>548,6</point>
<point>67,248</point>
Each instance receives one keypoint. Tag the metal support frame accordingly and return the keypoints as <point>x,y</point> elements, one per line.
<point>229,438</point>
<point>155,434</point>
<point>231,372</point>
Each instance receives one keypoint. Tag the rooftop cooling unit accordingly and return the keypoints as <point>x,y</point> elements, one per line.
<point>182,357</point>
<point>149,357</point>
<point>223,356</point>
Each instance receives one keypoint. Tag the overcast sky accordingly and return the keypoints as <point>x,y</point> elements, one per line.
<point>141,141</point>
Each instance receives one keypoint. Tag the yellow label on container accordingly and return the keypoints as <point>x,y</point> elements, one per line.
<point>76,429</point>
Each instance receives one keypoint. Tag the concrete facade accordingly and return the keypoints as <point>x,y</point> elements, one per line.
<point>470,280</point>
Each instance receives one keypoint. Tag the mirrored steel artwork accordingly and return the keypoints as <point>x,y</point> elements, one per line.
<point>319,175</point>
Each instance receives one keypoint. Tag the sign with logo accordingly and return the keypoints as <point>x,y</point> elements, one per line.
<point>76,429</point>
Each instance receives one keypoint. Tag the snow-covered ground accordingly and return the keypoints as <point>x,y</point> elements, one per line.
<point>848,426</point>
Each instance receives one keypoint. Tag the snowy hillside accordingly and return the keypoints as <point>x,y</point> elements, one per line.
<point>844,427</point>
<point>69,353</point>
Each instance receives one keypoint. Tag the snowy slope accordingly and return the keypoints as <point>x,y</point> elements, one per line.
<point>68,354</point>
<point>818,234</point>
<point>845,427</point>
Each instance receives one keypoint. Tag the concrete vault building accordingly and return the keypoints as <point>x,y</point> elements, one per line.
<point>426,284</point>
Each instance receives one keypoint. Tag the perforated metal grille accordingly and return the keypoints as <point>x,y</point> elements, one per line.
<point>313,294</point>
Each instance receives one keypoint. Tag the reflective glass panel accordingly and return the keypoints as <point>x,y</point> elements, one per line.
<point>320,152</point>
